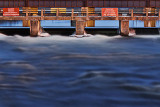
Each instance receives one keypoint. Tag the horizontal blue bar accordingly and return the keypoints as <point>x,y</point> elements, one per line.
<point>74,27</point>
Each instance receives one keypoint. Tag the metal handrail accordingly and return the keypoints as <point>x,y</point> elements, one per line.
<point>49,12</point>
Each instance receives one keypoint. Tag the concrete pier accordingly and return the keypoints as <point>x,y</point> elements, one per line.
<point>80,25</point>
<point>124,27</point>
<point>34,28</point>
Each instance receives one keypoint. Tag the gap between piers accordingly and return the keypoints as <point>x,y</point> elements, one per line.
<point>66,31</point>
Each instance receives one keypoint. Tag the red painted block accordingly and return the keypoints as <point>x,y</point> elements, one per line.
<point>109,11</point>
<point>10,11</point>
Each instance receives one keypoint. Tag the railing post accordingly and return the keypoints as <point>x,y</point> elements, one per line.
<point>87,15</point>
<point>72,14</point>
<point>26,13</point>
<point>42,16</point>
<point>147,13</point>
<point>117,17</point>
<point>159,14</point>
<point>132,15</point>
<point>57,13</point>
<point>101,15</point>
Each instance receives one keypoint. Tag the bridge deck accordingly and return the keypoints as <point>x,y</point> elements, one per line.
<point>83,15</point>
<point>77,18</point>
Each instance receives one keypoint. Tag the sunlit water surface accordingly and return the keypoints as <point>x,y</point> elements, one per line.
<point>97,71</point>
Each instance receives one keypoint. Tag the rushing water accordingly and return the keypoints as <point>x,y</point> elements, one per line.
<point>97,71</point>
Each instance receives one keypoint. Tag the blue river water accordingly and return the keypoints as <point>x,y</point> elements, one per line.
<point>96,71</point>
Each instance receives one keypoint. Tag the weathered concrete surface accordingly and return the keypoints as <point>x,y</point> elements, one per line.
<point>34,28</point>
<point>80,25</point>
<point>124,27</point>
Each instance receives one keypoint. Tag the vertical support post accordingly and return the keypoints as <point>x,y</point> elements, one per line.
<point>87,15</point>
<point>26,23</point>
<point>42,15</point>
<point>34,28</point>
<point>80,27</point>
<point>132,15</point>
<point>89,11</point>
<point>101,15</point>
<point>26,13</point>
<point>124,27</point>
<point>147,12</point>
<point>159,14</point>
<point>117,16</point>
<point>57,13</point>
<point>73,22</point>
<point>72,14</point>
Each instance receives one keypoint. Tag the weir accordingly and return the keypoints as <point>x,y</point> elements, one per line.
<point>33,11</point>
<point>88,20</point>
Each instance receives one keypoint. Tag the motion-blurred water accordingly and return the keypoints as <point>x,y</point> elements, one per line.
<point>97,71</point>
